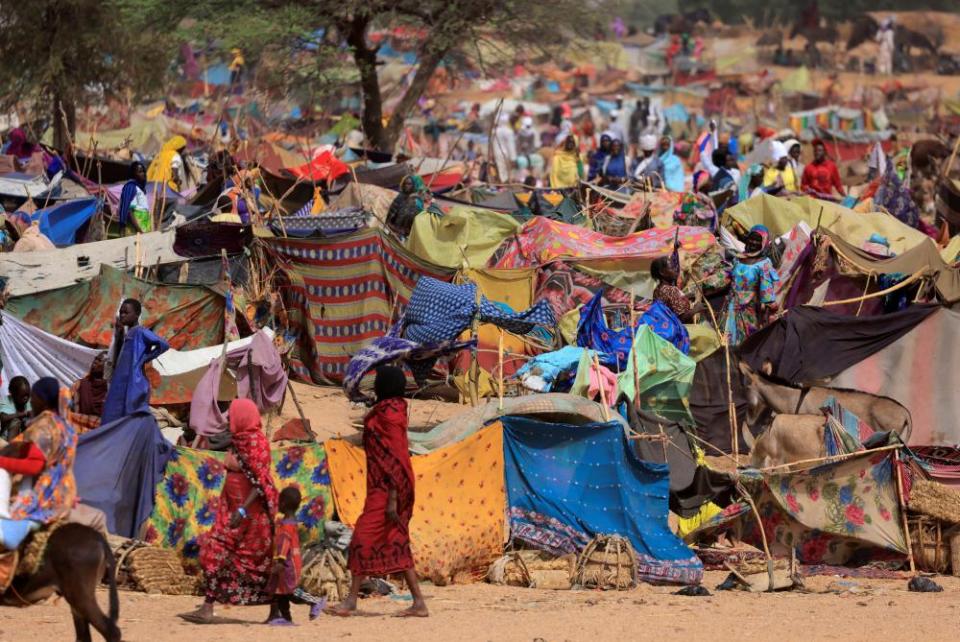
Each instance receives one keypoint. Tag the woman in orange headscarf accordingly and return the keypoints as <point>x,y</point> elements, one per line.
<point>236,555</point>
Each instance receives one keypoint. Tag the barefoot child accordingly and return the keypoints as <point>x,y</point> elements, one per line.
<point>287,564</point>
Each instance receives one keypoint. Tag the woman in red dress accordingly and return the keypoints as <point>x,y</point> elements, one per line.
<point>236,555</point>
<point>381,538</point>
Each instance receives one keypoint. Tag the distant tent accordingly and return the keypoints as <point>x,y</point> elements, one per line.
<point>60,222</point>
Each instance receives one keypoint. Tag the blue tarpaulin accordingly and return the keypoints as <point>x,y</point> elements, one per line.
<point>567,484</point>
<point>60,222</point>
<point>118,468</point>
<point>217,75</point>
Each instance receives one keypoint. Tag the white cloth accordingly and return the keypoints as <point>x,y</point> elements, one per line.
<point>648,142</point>
<point>777,151</point>
<point>6,484</point>
<point>504,150</point>
<point>30,352</point>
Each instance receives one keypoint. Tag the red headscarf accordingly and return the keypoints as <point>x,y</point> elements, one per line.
<point>252,449</point>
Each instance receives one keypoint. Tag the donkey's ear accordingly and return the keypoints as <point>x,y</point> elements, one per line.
<point>745,369</point>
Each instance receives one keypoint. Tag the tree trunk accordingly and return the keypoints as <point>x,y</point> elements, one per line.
<point>429,61</point>
<point>63,130</point>
<point>366,60</point>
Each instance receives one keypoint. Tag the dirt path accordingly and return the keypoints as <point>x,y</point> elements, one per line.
<point>874,609</point>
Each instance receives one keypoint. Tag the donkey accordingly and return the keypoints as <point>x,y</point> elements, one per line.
<point>880,413</point>
<point>75,561</point>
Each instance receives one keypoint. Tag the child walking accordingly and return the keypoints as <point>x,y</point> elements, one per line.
<point>287,564</point>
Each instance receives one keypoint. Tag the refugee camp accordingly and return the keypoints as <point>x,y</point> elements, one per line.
<point>480,320</point>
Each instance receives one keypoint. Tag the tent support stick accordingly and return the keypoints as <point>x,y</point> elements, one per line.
<point>903,512</point>
<point>303,417</point>
<point>603,395</point>
<point>500,368</point>
<point>763,534</point>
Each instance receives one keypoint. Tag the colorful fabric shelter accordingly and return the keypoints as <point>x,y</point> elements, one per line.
<point>458,517</point>
<point>541,241</point>
<point>186,316</point>
<point>187,496</point>
<point>780,215</point>
<point>663,374</point>
<point>464,237</point>
<point>60,222</point>
<point>567,484</point>
<point>342,293</point>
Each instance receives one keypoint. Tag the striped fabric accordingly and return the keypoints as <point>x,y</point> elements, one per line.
<point>343,293</point>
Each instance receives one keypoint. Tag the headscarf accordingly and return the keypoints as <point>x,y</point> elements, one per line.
<point>160,170</point>
<point>252,450</point>
<point>763,232</point>
<point>565,167</point>
<point>390,383</point>
<point>128,194</point>
<point>648,142</point>
<point>752,171</point>
<point>777,151</point>
<point>91,393</point>
<point>526,124</point>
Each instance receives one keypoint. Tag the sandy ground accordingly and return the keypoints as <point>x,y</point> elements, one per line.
<point>864,610</point>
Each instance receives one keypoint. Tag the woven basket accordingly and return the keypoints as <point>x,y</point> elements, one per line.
<point>607,562</point>
<point>931,550</point>
<point>326,575</point>
<point>151,569</point>
<point>935,500</point>
<point>533,569</point>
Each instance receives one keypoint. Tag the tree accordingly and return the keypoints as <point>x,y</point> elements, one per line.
<point>447,27</point>
<point>56,55</point>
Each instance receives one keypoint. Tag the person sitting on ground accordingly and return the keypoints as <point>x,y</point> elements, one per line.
<point>649,170</point>
<point>664,273</point>
<point>87,396</point>
<point>381,538</point>
<point>134,209</point>
<point>15,409</point>
<point>821,177</point>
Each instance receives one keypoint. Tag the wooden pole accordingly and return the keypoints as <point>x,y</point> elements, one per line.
<point>303,416</point>
<point>603,394</point>
<point>474,385</point>
<point>903,511</point>
<point>500,368</point>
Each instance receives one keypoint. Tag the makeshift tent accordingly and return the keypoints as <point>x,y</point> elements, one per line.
<point>457,524</point>
<point>660,374</point>
<point>780,215</point>
<point>464,237</point>
<point>187,496</point>
<point>118,467</point>
<point>185,316</point>
<point>342,293</point>
<point>554,407</point>
<point>34,272</point>
<point>60,222</point>
<point>909,356</point>
<point>846,512</point>
<point>323,167</point>
<point>567,484</point>
<point>28,351</point>
<point>541,241</point>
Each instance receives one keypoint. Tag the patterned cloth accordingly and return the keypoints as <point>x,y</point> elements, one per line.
<point>673,297</point>
<point>237,561</point>
<point>666,324</point>
<point>457,523</point>
<point>329,223</point>
<point>753,284</point>
<point>54,490</point>
<point>542,241</point>
<point>343,293</point>
<point>842,513</point>
<point>567,484</point>
<point>896,199</point>
<point>188,497</point>
<point>440,311</point>
<point>380,545</point>
<point>390,348</point>
<point>593,333</point>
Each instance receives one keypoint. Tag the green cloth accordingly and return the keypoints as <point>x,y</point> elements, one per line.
<point>780,215</point>
<point>664,373</point>
<point>703,341</point>
<point>465,237</point>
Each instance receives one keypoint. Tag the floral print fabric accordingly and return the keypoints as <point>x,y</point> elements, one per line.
<point>187,499</point>
<point>55,489</point>
<point>752,285</point>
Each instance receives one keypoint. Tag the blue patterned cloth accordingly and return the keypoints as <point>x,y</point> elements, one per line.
<point>440,311</point>
<point>593,332</point>
<point>329,223</point>
<point>420,358</point>
<point>567,484</point>
<point>665,323</point>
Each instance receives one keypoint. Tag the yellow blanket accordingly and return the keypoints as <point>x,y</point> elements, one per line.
<point>458,517</point>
